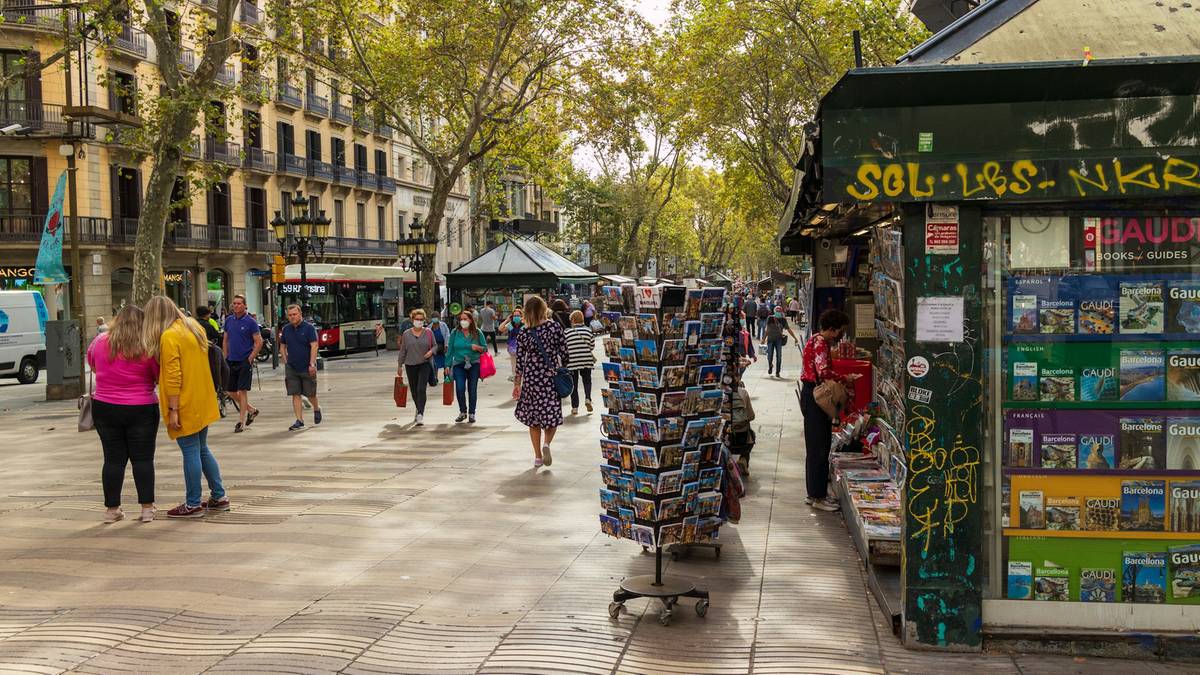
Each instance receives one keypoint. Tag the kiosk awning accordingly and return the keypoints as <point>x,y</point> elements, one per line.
<point>519,263</point>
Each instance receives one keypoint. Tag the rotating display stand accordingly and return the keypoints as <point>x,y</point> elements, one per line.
<point>663,430</point>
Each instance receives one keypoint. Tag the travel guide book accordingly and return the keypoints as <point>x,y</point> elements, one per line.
<point>1144,577</point>
<point>1025,313</point>
<point>1020,448</point>
<point>1058,451</point>
<point>1099,384</point>
<point>1141,307</point>
<point>1062,513</point>
<point>1185,506</point>
<point>1143,374</point>
<point>1184,567</point>
<point>1183,375</point>
<point>1183,308</point>
<point>1183,443</point>
<point>1032,510</point>
<point>1101,514</point>
<point>1020,580</point>
<point>1097,316</point>
<point>1056,317</point>
<point>1025,381</point>
<point>1097,585</point>
<point>1142,444</point>
<point>1052,583</point>
<point>1056,384</point>
<point>1097,451</point>
<point>1143,505</point>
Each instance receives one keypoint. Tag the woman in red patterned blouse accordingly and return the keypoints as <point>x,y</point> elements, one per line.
<point>818,428</point>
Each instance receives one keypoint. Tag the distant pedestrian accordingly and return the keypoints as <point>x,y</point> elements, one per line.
<point>750,307</point>
<point>125,410</point>
<point>741,435</point>
<point>211,330</point>
<point>466,344</point>
<point>761,315</point>
<point>541,351</point>
<point>243,339</point>
<point>418,346</point>
<point>581,359</point>
<point>298,347</point>
<point>775,327</point>
<point>818,427</point>
<point>561,313</point>
<point>441,335</point>
<point>187,399</point>
<point>794,309</point>
<point>512,327</point>
<point>101,325</point>
<point>487,324</point>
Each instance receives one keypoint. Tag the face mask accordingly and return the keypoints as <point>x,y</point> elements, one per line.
<point>417,323</point>
<point>464,323</point>
<point>778,315</point>
<point>516,321</point>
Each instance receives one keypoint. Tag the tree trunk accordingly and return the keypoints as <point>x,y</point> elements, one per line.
<point>442,185</point>
<point>147,259</point>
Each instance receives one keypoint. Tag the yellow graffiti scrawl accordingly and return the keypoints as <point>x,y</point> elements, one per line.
<point>942,483</point>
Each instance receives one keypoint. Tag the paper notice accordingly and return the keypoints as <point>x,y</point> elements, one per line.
<point>940,319</point>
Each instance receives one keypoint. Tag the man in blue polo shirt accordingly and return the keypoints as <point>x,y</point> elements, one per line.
<point>243,339</point>
<point>298,347</point>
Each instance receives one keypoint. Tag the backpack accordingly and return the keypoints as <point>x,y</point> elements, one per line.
<point>218,367</point>
<point>763,311</point>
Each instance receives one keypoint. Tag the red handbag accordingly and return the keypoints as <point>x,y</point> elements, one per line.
<point>400,392</point>
<point>447,392</point>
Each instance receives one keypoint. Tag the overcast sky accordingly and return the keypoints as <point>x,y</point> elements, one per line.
<point>656,11</point>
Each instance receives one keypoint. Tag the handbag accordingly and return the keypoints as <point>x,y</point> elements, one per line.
<point>564,384</point>
<point>832,397</point>
<point>447,392</point>
<point>487,366</point>
<point>86,423</point>
<point>400,392</point>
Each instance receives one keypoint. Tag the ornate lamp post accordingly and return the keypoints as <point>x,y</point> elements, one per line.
<point>302,232</point>
<point>416,253</point>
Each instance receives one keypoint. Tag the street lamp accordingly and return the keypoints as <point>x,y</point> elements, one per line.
<point>304,233</point>
<point>416,253</point>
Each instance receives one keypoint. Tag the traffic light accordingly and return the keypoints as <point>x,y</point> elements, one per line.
<point>278,269</point>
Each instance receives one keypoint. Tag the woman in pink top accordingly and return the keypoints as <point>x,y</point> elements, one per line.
<point>125,410</point>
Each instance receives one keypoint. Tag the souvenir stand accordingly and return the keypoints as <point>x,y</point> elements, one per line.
<point>664,460</point>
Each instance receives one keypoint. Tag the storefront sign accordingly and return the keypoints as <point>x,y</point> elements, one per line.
<point>941,230</point>
<point>940,319</point>
<point>1143,241</point>
<point>173,277</point>
<point>918,367</point>
<point>16,272</point>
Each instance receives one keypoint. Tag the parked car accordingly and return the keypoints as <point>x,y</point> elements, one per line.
<point>23,319</point>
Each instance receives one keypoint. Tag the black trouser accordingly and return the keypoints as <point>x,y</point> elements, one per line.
<point>127,435</point>
<point>586,374</point>
<point>750,324</point>
<point>818,437</point>
<point>418,384</point>
<point>490,336</point>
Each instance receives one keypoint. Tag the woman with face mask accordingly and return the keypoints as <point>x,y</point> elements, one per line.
<point>776,325</point>
<point>417,347</point>
<point>466,344</point>
<point>818,427</point>
<point>512,327</point>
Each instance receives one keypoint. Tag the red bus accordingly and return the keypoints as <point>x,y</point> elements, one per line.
<point>343,299</point>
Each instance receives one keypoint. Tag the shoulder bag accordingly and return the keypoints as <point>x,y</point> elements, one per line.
<point>832,397</point>
<point>85,408</point>
<point>564,384</point>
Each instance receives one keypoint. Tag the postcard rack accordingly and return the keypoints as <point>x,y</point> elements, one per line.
<point>663,431</point>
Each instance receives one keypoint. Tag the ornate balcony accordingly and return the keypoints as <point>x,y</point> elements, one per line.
<point>131,41</point>
<point>33,15</point>
<point>35,117</point>
<point>386,184</point>
<point>259,160</point>
<point>320,170</point>
<point>341,114</point>
<point>226,74</point>
<point>251,16</point>
<point>289,95</point>
<point>294,164</point>
<point>223,152</point>
<point>343,175</point>
<point>316,105</point>
<point>187,60</point>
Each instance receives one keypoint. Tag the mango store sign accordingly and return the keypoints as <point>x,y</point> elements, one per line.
<point>872,180</point>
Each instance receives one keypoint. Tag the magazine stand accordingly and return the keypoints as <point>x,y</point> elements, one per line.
<point>663,430</point>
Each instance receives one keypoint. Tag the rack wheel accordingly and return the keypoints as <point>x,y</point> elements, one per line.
<point>614,609</point>
<point>664,617</point>
<point>702,608</point>
<point>718,551</point>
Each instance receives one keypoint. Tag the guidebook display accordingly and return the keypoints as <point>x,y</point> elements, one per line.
<point>1100,443</point>
<point>870,481</point>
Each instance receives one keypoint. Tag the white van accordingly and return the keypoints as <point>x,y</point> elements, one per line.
<point>23,319</point>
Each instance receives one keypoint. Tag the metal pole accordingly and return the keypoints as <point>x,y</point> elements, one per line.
<point>858,60</point>
<point>76,306</point>
<point>302,252</point>
<point>420,292</point>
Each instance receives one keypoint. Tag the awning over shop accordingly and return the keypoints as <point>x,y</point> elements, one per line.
<point>518,263</point>
<point>616,279</point>
<point>1031,132</point>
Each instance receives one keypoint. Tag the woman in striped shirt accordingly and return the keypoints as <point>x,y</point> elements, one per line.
<point>581,359</point>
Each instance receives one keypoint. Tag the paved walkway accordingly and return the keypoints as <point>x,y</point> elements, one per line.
<point>364,546</point>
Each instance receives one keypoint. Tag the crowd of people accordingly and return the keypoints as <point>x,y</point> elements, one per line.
<point>157,363</point>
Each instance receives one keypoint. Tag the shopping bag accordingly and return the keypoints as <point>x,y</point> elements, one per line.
<point>487,366</point>
<point>832,397</point>
<point>400,392</point>
<point>447,392</point>
<point>85,408</point>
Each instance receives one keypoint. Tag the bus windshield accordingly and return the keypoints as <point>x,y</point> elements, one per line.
<point>337,303</point>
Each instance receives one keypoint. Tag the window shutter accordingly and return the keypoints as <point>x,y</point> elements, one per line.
<point>33,76</point>
<point>115,195</point>
<point>250,208</point>
<point>39,186</point>
<point>279,148</point>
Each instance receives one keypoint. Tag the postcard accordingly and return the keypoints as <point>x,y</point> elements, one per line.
<point>647,326</point>
<point>647,351</point>
<point>645,456</point>
<point>671,403</point>
<point>711,375</point>
<point>669,481</point>
<point>673,352</point>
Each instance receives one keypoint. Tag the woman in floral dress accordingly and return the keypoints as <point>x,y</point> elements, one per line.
<point>541,350</point>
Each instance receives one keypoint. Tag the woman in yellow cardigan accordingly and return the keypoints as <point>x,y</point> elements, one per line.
<point>188,400</point>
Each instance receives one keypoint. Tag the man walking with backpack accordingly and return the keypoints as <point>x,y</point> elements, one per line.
<point>243,339</point>
<point>762,314</point>
<point>751,310</point>
<point>298,347</point>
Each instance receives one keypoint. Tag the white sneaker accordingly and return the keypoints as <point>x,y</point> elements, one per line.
<point>420,421</point>
<point>546,458</point>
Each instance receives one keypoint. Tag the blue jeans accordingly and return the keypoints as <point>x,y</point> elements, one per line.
<point>774,355</point>
<point>466,386</point>
<point>196,460</point>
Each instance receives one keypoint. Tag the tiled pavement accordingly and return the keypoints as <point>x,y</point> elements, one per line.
<point>364,546</point>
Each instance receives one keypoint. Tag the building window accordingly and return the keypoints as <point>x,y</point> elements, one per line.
<point>462,239</point>
<point>381,218</point>
<point>362,220</point>
<point>381,162</point>
<point>16,186</point>
<point>122,92</point>
<point>285,204</point>
<point>252,124</point>
<point>339,218</point>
